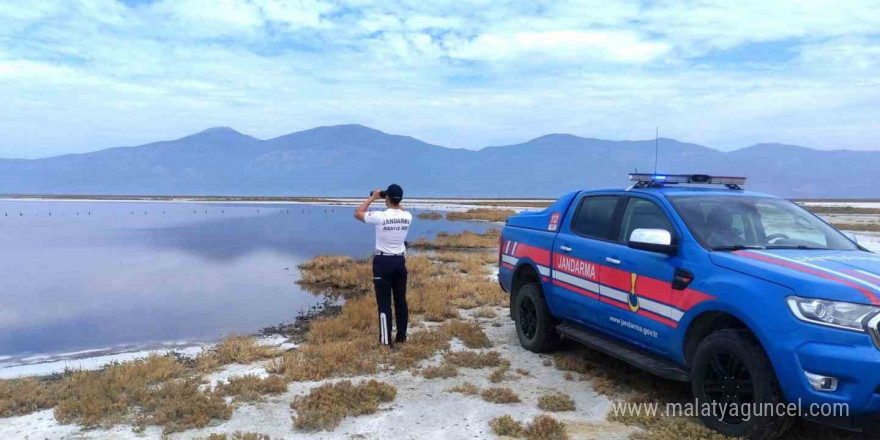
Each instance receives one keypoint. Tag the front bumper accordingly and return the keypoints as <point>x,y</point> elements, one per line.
<point>849,356</point>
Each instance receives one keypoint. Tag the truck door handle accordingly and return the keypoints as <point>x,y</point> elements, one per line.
<point>612,260</point>
<point>565,249</point>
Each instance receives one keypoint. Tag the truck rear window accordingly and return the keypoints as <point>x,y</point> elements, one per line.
<point>595,217</point>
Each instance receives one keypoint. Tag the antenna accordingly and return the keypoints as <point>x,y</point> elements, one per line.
<point>656,148</point>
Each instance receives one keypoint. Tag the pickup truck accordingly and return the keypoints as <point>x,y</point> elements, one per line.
<point>753,300</point>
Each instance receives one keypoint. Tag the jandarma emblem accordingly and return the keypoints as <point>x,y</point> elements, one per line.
<point>633,299</point>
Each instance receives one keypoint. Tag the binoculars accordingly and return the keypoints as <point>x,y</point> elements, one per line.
<point>381,194</point>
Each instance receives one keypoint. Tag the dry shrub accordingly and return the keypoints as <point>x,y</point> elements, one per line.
<point>242,350</point>
<point>506,426</point>
<point>485,312</point>
<point>94,398</point>
<point>430,215</point>
<point>442,371</point>
<point>522,371</point>
<point>179,405</point>
<point>488,214</point>
<point>473,359</point>
<point>544,427</point>
<point>556,402</point>
<point>499,374</point>
<point>470,334</point>
<point>24,396</point>
<point>250,387</point>
<point>326,406</point>
<point>465,388</point>
<point>499,395</point>
<point>320,361</point>
<point>150,391</point>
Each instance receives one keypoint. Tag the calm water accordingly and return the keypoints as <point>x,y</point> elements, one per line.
<point>98,275</point>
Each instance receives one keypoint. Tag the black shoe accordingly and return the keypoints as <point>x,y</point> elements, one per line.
<point>400,339</point>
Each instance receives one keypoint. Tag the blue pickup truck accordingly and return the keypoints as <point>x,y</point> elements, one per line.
<point>769,312</point>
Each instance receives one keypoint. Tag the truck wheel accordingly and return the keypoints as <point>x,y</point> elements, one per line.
<point>534,324</point>
<point>730,369</point>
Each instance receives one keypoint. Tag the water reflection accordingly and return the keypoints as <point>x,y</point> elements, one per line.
<point>93,275</point>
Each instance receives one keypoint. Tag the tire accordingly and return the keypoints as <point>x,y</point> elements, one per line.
<point>534,325</point>
<point>731,367</point>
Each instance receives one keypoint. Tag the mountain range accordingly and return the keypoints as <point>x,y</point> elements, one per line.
<point>348,160</point>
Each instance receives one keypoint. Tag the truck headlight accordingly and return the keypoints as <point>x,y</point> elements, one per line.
<point>838,314</point>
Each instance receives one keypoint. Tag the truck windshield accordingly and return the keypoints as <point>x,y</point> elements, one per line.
<point>732,223</point>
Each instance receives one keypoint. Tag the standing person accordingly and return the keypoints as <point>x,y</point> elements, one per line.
<point>389,264</point>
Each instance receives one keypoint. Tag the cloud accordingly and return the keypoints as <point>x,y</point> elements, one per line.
<point>612,46</point>
<point>87,74</point>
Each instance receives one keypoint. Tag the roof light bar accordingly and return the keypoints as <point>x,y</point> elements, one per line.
<point>687,178</point>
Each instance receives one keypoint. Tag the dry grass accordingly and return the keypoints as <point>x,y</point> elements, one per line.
<point>250,387</point>
<point>242,350</point>
<point>522,372</point>
<point>485,312</point>
<point>870,227</point>
<point>499,395</point>
<point>465,388</point>
<point>542,427</point>
<point>361,355</point>
<point>499,374</point>
<point>430,215</point>
<point>24,396</point>
<point>335,273</point>
<point>238,435</point>
<point>473,359</point>
<point>556,402</point>
<point>463,240</point>
<point>327,405</point>
<point>152,391</point>
<point>442,371</point>
<point>488,214</point>
<point>458,257</point>
<point>470,334</point>
<point>830,209</point>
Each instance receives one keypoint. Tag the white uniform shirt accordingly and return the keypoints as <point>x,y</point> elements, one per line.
<point>392,225</point>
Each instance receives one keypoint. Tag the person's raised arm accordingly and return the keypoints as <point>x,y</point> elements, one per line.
<point>361,211</point>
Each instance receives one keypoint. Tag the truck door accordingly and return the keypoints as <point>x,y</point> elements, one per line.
<point>581,247</point>
<point>636,291</point>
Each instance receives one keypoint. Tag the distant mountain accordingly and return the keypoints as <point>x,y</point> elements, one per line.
<point>347,160</point>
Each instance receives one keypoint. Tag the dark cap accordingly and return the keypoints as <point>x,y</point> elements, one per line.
<point>394,193</point>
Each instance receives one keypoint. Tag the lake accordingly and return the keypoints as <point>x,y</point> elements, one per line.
<point>84,276</point>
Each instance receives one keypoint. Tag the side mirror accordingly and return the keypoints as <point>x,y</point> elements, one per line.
<point>653,240</point>
<point>852,237</point>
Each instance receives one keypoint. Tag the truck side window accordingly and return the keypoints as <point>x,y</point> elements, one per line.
<point>643,214</point>
<point>594,217</point>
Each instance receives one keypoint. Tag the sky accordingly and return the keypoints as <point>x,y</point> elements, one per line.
<point>82,75</point>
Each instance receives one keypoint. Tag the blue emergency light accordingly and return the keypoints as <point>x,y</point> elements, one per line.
<point>647,180</point>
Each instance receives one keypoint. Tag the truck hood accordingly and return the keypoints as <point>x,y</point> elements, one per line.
<point>852,276</point>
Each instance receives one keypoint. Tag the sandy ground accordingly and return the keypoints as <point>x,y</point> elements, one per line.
<point>422,409</point>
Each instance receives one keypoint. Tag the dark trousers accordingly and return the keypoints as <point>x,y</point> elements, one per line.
<point>389,278</point>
